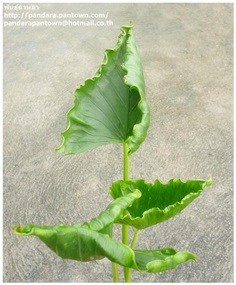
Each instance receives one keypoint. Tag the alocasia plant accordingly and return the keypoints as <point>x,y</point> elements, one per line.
<point>111,108</point>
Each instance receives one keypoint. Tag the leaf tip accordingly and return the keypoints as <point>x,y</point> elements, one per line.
<point>137,193</point>
<point>14,228</point>
<point>190,256</point>
<point>22,229</point>
<point>17,229</point>
<point>209,182</point>
<point>60,148</point>
<point>181,257</point>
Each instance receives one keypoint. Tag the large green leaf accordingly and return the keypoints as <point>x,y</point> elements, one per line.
<point>111,106</point>
<point>86,241</point>
<point>92,241</point>
<point>84,244</point>
<point>159,201</point>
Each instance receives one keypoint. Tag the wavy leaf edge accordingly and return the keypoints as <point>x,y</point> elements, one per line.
<point>150,261</point>
<point>66,241</point>
<point>142,104</point>
<point>134,221</point>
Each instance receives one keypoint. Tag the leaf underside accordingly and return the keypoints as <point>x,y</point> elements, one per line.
<point>159,201</point>
<point>111,106</point>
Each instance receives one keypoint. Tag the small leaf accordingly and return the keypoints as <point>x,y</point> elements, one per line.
<point>111,106</point>
<point>159,201</point>
<point>154,261</point>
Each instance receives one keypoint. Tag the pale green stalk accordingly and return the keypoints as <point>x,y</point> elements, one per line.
<point>125,228</point>
<point>115,274</point>
<point>135,238</point>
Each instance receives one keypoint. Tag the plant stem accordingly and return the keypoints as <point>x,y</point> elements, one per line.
<point>127,271</point>
<point>126,162</point>
<point>125,228</point>
<point>135,238</point>
<point>115,272</point>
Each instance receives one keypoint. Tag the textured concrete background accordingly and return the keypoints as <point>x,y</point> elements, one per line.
<point>187,56</point>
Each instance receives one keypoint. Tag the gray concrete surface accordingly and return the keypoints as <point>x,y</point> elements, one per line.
<point>187,55</point>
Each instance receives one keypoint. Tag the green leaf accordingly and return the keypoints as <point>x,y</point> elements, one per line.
<point>111,106</point>
<point>113,212</point>
<point>77,243</point>
<point>159,201</point>
<point>83,244</point>
<point>92,241</point>
<point>154,261</point>
<point>86,241</point>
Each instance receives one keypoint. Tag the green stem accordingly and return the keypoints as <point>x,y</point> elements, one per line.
<point>125,234</point>
<point>115,272</point>
<point>135,238</point>
<point>127,271</point>
<point>125,228</point>
<point>126,162</point>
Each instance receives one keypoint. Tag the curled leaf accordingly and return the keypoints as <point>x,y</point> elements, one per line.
<point>87,241</point>
<point>92,241</point>
<point>74,242</point>
<point>113,212</point>
<point>154,261</point>
<point>83,244</point>
<point>111,106</point>
<point>159,201</point>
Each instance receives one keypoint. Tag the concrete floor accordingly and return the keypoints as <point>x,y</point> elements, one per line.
<point>187,54</point>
